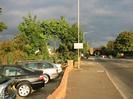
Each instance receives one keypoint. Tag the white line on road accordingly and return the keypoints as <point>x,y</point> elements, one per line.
<point>120,91</point>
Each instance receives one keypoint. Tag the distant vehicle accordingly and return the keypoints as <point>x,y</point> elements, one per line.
<point>25,80</point>
<point>103,56</point>
<point>110,56</point>
<point>50,71</point>
<point>6,88</point>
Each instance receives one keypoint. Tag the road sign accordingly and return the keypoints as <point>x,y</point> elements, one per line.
<point>78,45</point>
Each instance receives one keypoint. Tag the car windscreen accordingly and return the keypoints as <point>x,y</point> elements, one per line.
<point>47,65</point>
<point>3,79</point>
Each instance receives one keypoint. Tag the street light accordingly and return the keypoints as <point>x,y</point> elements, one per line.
<point>78,33</point>
<point>84,36</point>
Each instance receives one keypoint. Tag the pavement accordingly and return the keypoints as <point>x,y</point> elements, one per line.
<point>90,82</point>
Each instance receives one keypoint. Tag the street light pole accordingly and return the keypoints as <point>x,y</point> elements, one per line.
<point>78,33</point>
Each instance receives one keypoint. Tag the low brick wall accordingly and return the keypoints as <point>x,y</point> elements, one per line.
<point>60,92</point>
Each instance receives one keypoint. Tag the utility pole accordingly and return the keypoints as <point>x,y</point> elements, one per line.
<point>78,33</point>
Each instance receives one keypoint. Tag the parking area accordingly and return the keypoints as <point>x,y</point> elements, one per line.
<point>44,92</point>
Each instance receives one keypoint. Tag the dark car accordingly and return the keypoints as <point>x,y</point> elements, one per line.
<point>26,80</point>
<point>6,88</point>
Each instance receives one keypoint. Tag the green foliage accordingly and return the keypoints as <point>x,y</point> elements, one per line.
<point>85,47</point>
<point>66,33</point>
<point>2,26</point>
<point>10,58</point>
<point>110,45</point>
<point>55,28</point>
<point>45,51</point>
<point>0,10</point>
<point>34,36</point>
<point>33,33</point>
<point>124,42</point>
<point>122,45</point>
<point>63,57</point>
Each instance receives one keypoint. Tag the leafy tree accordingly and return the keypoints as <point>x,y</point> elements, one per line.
<point>2,25</point>
<point>36,34</point>
<point>124,42</point>
<point>103,50</point>
<point>5,50</point>
<point>65,33</point>
<point>0,10</point>
<point>110,45</point>
<point>32,31</point>
<point>110,48</point>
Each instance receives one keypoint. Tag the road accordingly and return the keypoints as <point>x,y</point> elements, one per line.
<point>44,92</point>
<point>121,72</point>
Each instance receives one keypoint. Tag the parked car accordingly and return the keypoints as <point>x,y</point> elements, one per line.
<point>50,71</point>
<point>59,67</point>
<point>25,80</point>
<point>6,88</point>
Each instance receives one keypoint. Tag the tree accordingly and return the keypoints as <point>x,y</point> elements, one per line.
<point>65,33</point>
<point>85,49</point>
<point>37,34</point>
<point>110,45</point>
<point>2,25</point>
<point>124,42</point>
<point>32,32</point>
<point>0,10</point>
<point>110,48</point>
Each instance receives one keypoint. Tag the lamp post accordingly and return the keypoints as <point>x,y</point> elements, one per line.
<point>84,36</point>
<point>78,34</point>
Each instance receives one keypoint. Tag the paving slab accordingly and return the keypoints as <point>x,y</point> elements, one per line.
<point>90,82</point>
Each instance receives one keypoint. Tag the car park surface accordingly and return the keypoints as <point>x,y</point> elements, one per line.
<point>25,80</point>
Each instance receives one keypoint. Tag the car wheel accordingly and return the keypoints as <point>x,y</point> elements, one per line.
<point>24,89</point>
<point>46,78</point>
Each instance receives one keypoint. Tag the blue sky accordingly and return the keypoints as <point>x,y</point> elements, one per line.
<point>101,20</point>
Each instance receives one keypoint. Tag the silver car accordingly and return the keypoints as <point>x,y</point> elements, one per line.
<point>50,71</point>
<point>6,88</point>
<point>59,67</point>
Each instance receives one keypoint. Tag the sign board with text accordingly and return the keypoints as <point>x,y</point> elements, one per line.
<point>78,45</point>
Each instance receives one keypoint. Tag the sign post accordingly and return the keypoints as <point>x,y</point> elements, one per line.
<point>78,46</point>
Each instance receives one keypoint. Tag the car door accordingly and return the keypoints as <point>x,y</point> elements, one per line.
<point>13,72</point>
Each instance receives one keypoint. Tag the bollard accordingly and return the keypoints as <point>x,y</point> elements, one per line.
<point>70,64</point>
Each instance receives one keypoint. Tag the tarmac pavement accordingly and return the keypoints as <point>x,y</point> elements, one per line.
<point>90,82</point>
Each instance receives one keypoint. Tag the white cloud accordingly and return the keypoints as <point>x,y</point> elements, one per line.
<point>127,1</point>
<point>49,12</point>
<point>97,43</point>
<point>103,12</point>
<point>21,2</point>
<point>16,13</point>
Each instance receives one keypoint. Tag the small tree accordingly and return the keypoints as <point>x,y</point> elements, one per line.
<point>124,43</point>
<point>32,31</point>
<point>2,25</point>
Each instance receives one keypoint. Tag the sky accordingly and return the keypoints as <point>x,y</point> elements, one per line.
<point>100,20</point>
